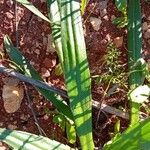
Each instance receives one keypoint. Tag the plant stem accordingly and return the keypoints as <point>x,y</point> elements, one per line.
<point>134,52</point>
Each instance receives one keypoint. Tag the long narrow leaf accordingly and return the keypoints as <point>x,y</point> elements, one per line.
<point>135,138</point>
<point>75,67</point>
<point>33,9</point>
<point>26,141</point>
<point>29,71</point>
<point>134,48</point>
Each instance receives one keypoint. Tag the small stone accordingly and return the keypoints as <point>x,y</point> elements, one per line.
<point>148,41</point>
<point>118,41</point>
<point>11,81</point>
<point>103,4</point>
<point>108,37</point>
<point>50,46</point>
<point>45,40</point>
<point>32,63</point>
<point>45,117</point>
<point>106,18</point>
<point>148,18</point>
<point>103,12</point>
<point>145,26</point>
<point>12,97</point>
<point>12,127</point>
<point>37,51</point>
<point>96,22</point>
<point>1,124</point>
<point>23,117</point>
<point>9,15</point>
<point>39,19</point>
<point>49,62</point>
<point>147,34</point>
<point>45,72</point>
<point>113,17</point>
<point>43,1</point>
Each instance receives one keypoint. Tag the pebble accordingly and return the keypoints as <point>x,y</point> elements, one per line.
<point>145,26</point>
<point>45,117</point>
<point>1,124</point>
<point>103,12</point>
<point>50,46</point>
<point>12,127</point>
<point>148,18</point>
<point>108,37</point>
<point>147,34</point>
<point>9,15</point>
<point>106,18</point>
<point>45,72</point>
<point>45,40</point>
<point>113,17</point>
<point>37,51</point>
<point>11,81</point>
<point>49,62</point>
<point>103,4</point>
<point>23,117</point>
<point>118,41</point>
<point>96,22</point>
<point>148,42</point>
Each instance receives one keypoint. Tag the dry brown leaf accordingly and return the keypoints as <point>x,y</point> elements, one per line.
<point>12,97</point>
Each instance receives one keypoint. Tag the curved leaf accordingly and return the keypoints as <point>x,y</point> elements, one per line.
<point>29,71</point>
<point>26,141</point>
<point>135,138</point>
<point>33,9</point>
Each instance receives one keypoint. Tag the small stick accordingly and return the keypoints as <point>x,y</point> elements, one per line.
<point>33,112</point>
<point>34,82</point>
<point>61,92</point>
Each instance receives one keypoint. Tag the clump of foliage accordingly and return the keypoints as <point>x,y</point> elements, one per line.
<point>122,21</point>
<point>114,72</point>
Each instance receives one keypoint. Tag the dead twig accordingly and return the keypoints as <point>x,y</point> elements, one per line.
<point>41,132</point>
<point>61,92</point>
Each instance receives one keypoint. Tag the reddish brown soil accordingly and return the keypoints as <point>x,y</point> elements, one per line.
<point>32,32</point>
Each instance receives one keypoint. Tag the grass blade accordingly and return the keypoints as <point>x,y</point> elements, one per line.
<point>26,141</point>
<point>134,48</point>
<point>135,138</point>
<point>29,71</point>
<point>75,68</point>
<point>33,9</point>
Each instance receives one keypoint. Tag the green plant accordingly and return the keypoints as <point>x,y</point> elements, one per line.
<point>72,54</point>
<point>121,22</point>
<point>112,66</point>
<point>66,30</point>
<point>136,137</point>
<point>134,54</point>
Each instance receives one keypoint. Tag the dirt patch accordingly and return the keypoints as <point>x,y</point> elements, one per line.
<point>33,36</point>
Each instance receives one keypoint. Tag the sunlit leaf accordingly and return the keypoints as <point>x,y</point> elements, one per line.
<point>140,94</point>
<point>19,140</point>
<point>135,138</point>
<point>33,9</point>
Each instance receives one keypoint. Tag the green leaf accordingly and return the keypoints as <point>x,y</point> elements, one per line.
<point>60,120</point>
<point>140,94</point>
<point>121,22</point>
<point>136,137</point>
<point>121,5</point>
<point>71,132</point>
<point>33,9</point>
<point>134,52</point>
<point>83,5</point>
<point>26,141</point>
<point>29,71</point>
<point>58,70</point>
<point>75,66</point>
